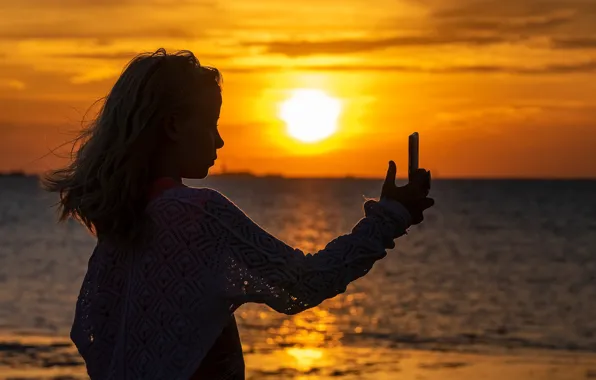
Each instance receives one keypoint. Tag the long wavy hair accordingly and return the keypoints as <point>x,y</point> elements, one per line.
<point>105,185</point>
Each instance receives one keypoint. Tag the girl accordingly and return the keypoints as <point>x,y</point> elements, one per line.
<point>173,263</point>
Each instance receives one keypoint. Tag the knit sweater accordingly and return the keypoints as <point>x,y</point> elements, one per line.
<point>154,311</point>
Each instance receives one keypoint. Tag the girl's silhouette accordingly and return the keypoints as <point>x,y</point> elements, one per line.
<point>172,263</point>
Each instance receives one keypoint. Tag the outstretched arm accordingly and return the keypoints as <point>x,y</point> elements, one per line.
<point>251,265</point>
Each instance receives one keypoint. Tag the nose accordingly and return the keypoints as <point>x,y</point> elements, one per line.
<point>219,143</point>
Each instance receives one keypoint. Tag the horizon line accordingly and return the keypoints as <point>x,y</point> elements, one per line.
<point>247,174</point>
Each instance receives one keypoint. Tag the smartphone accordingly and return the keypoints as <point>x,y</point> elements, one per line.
<point>413,153</point>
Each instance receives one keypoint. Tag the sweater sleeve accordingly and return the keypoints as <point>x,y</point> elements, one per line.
<point>250,265</point>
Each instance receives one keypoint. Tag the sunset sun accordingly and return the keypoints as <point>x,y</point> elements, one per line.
<point>310,115</point>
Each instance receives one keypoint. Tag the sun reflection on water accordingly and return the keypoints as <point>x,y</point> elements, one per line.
<point>305,358</point>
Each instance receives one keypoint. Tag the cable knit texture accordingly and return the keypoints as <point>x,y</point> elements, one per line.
<point>154,312</point>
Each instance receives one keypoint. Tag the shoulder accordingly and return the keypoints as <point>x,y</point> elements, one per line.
<point>196,198</point>
<point>190,205</point>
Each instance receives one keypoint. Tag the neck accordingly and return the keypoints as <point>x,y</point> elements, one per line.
<point>166,174</point>
<point>159,175</point>
<point>165,166</point>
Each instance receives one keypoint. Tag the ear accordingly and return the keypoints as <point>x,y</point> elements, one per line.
<point>171,128</point>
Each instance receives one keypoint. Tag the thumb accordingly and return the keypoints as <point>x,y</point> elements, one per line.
<point>391,173</point>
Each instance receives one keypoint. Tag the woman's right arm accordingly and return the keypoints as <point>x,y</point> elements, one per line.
<point>250,265</point>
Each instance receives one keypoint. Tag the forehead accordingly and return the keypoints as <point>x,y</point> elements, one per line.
<point>210,100</point>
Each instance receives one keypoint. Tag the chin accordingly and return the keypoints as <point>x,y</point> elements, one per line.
<point>197,174</point>
<point>202,174</point>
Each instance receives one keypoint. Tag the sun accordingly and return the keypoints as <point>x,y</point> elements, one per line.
<point>310,115</point>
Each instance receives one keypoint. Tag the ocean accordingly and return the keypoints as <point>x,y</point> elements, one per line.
<point>498,267</point>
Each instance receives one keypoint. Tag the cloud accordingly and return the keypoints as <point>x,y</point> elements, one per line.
<point>574,43</point>
<point>343,46</point>
<point>526,25</point>
<point>37,83</point>
<point>506,8</point>
<point>517,20</point>
<point>585,67</point>
<point>61,31</point>
<point>124,55</point>
<point>105,19</point>
<point>78,4</point>
<point>568,68</point>
<point>12,84</point>
<point>564,68</point>
<point>495,115</point>
<point>575,15</point>
<point>127,55</point>
<point>464,23</point>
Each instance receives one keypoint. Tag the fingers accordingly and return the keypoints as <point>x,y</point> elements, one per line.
<point>420,175</point>
<point>423,190</point>
<point>391,174</point>
<point>416,190</point>
<point>417,208</point>
<point>420,180</point>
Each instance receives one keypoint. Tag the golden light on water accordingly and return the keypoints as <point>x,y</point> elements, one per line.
<point>305,358</point>
<point>310,115</point>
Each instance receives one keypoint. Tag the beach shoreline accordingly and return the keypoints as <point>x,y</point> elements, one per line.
<point>55,358</point>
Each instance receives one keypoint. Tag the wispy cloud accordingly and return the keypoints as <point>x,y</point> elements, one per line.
<point>555,68</point>
<point>505,8</point>
<point>62,31</point>
<point>127,55</point>
<point>105,19</point>
<point>123,55</point>
<point>495,114</point>
<point>78,4</point>
<point>565,22</point>
<point>463,23</point>
<point>574,43</point>
<point>529,24</point>
<point>304,47</point>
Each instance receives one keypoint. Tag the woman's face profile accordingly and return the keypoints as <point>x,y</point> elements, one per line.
<point>199,137</point>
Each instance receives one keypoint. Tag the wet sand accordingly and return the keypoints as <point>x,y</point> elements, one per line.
<point>37,357</point>
<point>365,363</point>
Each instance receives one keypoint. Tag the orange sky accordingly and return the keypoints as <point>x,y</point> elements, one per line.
<point>496,88</point>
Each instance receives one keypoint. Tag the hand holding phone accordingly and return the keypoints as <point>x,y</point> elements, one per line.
<point>414,195</point>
